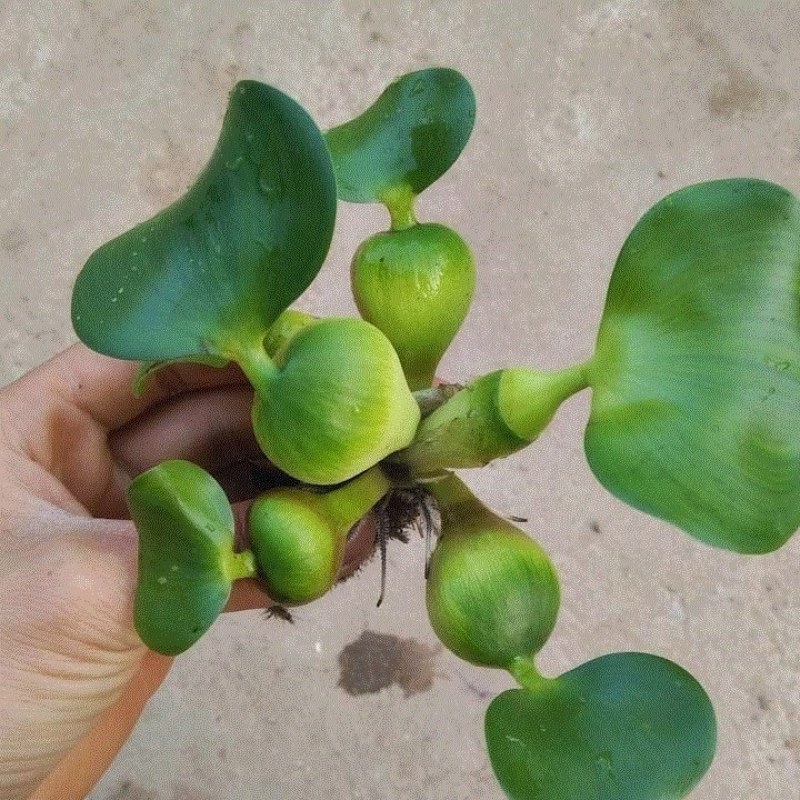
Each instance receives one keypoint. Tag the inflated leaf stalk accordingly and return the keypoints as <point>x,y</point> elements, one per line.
<point>626,726</point>
<point>186,558</point>
<point>283,330</point>
<point>416,285</point>
<point>494,416</point>
<point>299,536</point>
<point>416,281</point>
<point>492,594</point>
<point>696,404</point>
<point>335,402</point>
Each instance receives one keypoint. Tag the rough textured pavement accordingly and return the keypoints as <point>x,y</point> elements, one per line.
<point>588,112</point>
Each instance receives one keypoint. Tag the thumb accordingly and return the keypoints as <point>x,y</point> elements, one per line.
<point>85,763</point>
<point>70,650</point>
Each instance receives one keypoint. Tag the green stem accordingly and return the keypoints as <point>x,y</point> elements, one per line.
<point>429,400</point>
<point>530,398</point>
<point>419,376</point>
<point>257,366</point>
<point>494,416</point>
<point>348,503</point>
<point>400,204</point>
<point>285,328</point>
<point>240,565</point>
<point>527,676</point>
<point>457,505</point>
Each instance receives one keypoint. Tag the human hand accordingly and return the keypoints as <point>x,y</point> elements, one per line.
<point>74,675</point>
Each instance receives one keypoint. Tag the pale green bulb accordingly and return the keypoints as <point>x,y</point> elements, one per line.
<point>492,593</point>
<point>334,402</point>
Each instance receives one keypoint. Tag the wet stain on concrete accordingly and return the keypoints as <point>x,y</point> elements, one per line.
<point>128,790</point>
<point>182,792</point>
<point>13,241</point>
<point>793,746</point>
<point>737,93</point>
<point>376,661</point>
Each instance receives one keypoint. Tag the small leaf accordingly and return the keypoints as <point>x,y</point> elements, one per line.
<point>626,726</point>
<point>406,139</point>
<point>186,558</point>
<point>218,266</point>
<point>696,406</point>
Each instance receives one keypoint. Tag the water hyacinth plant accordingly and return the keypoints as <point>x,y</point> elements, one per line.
<point>695,410</point>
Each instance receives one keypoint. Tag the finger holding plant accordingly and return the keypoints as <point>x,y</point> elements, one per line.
<point>694,414</point>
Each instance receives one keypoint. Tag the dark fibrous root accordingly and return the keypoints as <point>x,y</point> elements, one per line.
<point>398,512</point>
<point>427,532</point>
<point>382,536</point>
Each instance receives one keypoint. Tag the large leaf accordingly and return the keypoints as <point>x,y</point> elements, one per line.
<point>186,558</point>
<point>216,267</point>
<point>696,407</point>
<point>406,139</point>
<point>627,726</point>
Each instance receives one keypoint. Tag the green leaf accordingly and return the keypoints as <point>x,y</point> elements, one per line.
<point>626,726</point>
<point>186,558</point>
<point>219,265</point>
<point>406,139</point>
<point>696,405</point>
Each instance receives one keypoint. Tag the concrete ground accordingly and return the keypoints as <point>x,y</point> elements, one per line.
<point>588,112</point>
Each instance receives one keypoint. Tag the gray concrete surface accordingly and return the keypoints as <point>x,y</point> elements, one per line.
<point>588,112</point>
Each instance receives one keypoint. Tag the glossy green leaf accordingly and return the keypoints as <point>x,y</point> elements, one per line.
<point>219,265</point>
<point>696,405</point>
<point>627,726</point>
<point>186,558</point>
<point>406,139</point>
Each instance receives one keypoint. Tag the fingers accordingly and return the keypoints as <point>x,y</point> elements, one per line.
<point>211,429</point>
<point>248,595</point>
<point>360,545</point>
<point>102,386</point>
